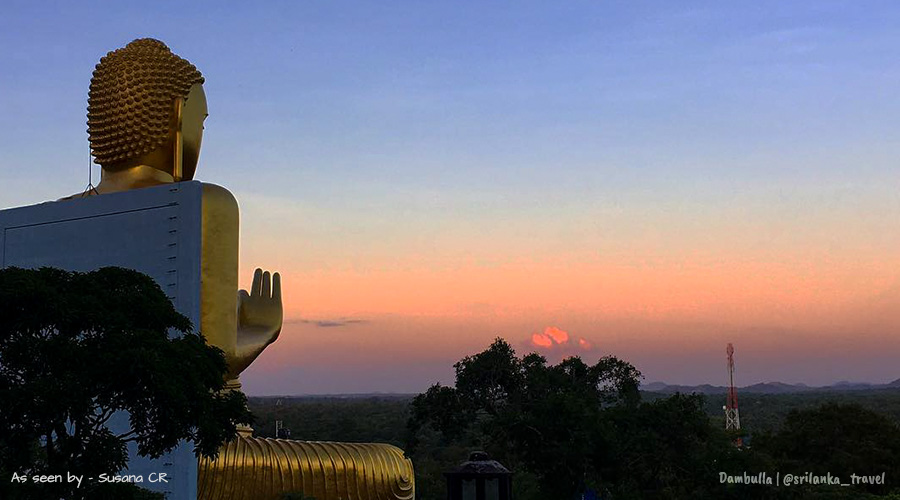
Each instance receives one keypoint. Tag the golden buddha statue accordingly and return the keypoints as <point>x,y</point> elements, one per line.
<point>146,109</point>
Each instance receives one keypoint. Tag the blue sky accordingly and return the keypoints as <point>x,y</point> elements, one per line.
<point>449,95</point>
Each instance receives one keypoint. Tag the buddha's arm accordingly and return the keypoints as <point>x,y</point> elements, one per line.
<point>263,469</point>
<point>242,324</point>
<point>219,270</point>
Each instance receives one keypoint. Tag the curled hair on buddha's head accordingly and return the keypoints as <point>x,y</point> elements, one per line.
<point>130,103</point>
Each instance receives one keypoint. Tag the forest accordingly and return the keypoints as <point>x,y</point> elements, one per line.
<point>574,430</point>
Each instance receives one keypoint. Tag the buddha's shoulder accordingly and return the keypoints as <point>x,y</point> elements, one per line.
<point>217,196</point>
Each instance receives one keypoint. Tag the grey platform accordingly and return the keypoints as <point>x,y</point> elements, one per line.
<point>152,230</point>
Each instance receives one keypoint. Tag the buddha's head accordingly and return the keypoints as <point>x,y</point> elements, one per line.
<point>146,106</point>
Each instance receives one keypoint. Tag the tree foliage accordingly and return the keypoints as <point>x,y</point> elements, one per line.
<point>654,438</point>
<point>553,421</point>
<point>77,349</point>
<point>571,427</point>
<point>842,439</point>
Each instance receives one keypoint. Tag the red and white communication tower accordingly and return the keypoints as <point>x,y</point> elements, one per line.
<point>732,418</point>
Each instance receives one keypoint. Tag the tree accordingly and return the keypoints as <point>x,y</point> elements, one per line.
<point>75,349</point>
<point>841,439</point>
<point>538,419</point>
<point>668,449</point>
<point>569,427</point>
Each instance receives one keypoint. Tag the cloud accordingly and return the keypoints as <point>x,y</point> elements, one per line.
<point>541,340</point>
<point>554,338</point>
<point>330,323</point>
<point>558,336</point>
<point>551,336</point>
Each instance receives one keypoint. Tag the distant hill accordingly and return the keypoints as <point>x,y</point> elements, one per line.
<point>660,387</point>
<point>768,387</point>
<point>365,395</point>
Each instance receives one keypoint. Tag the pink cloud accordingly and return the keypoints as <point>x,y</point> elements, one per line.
<point>551,337</point>
<point>557,341</point>
<point>558,336</point>
<point>541,340</point>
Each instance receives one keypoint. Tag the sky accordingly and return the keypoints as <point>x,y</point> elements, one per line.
<point>648,179</point>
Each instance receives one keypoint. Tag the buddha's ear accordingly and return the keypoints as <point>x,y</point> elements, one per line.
<point>178,140</point>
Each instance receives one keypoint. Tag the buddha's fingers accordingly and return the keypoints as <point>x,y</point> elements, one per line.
<point>276,287</point>
<point>257,283</point>
<point>266,291</point>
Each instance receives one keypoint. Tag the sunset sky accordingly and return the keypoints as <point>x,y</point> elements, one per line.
<point>650,180</point>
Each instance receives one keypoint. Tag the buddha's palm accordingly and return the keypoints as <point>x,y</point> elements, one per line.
<point>260,317</point>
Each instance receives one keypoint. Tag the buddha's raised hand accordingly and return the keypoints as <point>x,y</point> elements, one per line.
<point>260,316</point>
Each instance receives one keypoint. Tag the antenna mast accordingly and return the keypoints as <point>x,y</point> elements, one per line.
<point>732,417</point>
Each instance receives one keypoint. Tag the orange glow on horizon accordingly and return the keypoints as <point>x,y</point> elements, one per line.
<point>743,292</point>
